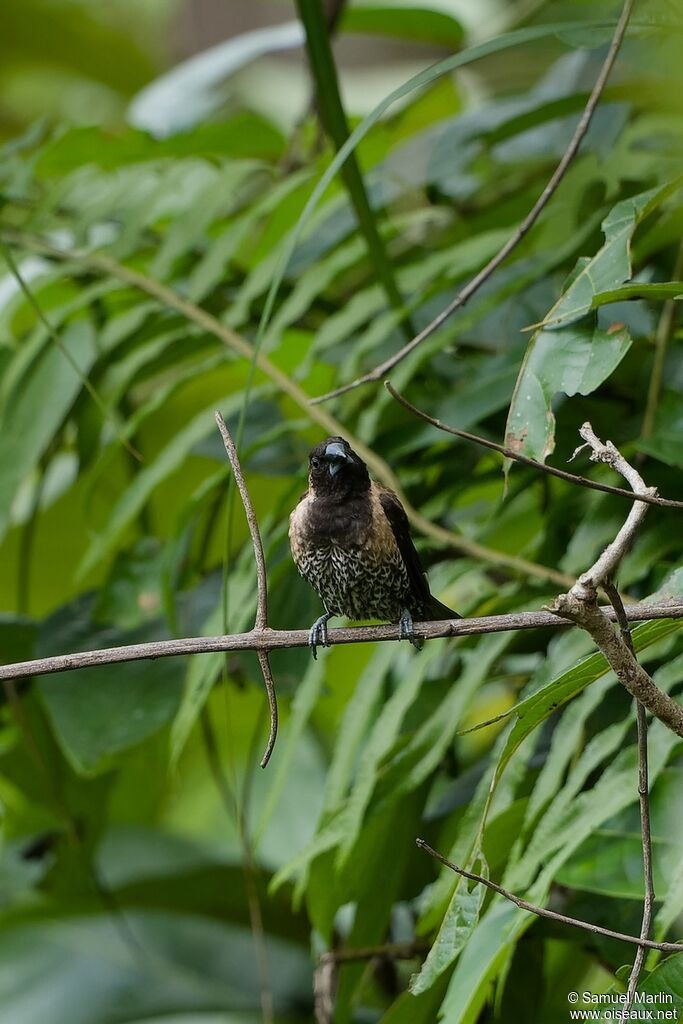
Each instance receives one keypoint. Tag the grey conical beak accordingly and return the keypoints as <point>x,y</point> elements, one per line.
<point>336,456</point>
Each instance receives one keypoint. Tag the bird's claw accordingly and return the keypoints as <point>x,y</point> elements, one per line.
<point>317,634</point>
<point>406,630</point>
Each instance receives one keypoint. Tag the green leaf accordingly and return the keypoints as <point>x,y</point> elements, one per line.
<point>575,360</point>
<point>382,738</point>
<point>99,713</point>
<point>334,121</point>
<point>194,89</point>
<point>662,292</point>
<point>456,928</point>
<point>665,981</point>
<point>665,441</point>
<point>37,409</point>
<point>539,706</point>
<point>135,497</point>
<point>483,956</point>
<point>244,135</point>
<point>572,358</point>
<point>304,701</point>
<point>414,23</point>
<point>419,81</point>
<point>81,966</point>
<point>611,265</point>
<point>360,712</point>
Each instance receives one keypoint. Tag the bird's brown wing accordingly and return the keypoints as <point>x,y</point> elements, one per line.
<point>398,521</point>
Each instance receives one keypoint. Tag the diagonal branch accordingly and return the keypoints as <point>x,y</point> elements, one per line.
<point>580,602</point>
<point>552,915</point>
<point>261,623</point>
<point>534,213</point>
<point>510,453</point>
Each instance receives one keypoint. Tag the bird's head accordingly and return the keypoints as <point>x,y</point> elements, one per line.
<point>335,470</point>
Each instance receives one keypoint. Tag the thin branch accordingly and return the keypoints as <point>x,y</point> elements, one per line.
<point>552,915</point>
<point>324,988</point>
<point>646,839</point>
<point>261,623</point>
<point>580,602</point>
<point>266,671</point>
<point>510,453</point>
<point>391,950</point>
<point>604,568</point>
<point>644,803</point>
<point>102,264</point>
<point>327,970</point>
<point>286,639</point>
<point>257,544</point>
<point>473,286</point>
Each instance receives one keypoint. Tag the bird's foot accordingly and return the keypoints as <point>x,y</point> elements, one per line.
<point>406,630</point>
<point>317,634</point>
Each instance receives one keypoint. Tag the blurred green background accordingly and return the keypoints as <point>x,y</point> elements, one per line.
<point>160,259</point>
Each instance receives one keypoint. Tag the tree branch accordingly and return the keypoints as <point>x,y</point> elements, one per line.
<point>580,602</point>
<point>473,286</point>
<point>552,915</point>
<point>644,803</point>
<point>261,622</point>
<point>391,950</point>
<point>284,639</point>
<point>510,453</point>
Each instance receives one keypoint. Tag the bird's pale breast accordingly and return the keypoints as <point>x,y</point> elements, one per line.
<point>356,572</point>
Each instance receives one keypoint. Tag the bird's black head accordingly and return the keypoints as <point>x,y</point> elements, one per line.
<point>336,471</point>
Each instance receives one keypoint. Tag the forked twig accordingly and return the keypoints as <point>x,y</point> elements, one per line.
<point>552,915</point>
<point>580,601</point>
<point>473,286</point>
<point>261,622</point>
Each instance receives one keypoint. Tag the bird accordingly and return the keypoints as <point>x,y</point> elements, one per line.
<point>350,539</point>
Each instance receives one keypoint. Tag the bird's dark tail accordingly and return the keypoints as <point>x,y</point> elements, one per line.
<point>438,611</point>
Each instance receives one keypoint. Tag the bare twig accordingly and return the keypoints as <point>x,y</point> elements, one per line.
<point>285,639</point>
<point>102,264</point>
<point>261,580</point>
<point>644,802</point>
<point>324,988</point>
<point>510,453</point>
<point>608,561</point>
<point>580,602</point>
<point>469,290</point>
<point>646,840</point>
<point>266,671</point>
<point>327,970</point>
<point>391,950</point>
<point>552,915</point>
<point>261,623</point>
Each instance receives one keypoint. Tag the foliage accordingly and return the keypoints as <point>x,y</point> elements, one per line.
<point>156,279</point>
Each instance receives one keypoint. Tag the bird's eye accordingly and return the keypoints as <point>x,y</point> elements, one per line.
<point>315,462</point>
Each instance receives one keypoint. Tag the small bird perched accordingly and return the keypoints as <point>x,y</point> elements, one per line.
<point>350,540</point>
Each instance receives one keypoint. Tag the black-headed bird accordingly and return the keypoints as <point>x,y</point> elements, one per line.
<point>350,539</point>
